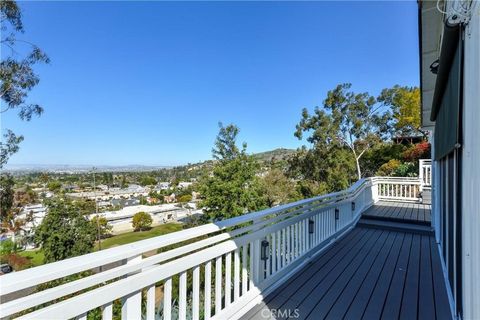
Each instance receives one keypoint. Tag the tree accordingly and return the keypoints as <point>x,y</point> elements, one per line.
<point>16,74</point>
<point>148,181</point>
<point>321,170</point>
<point>6,197</point>
<point>232,188</point>
<point>141,221</point>
<point>278,188</point>
<point>104,229</point>
<point>54,185</point>
<point>347,119</point>
<point>64,232</point>
<point>405,105</point>
<point>185,198</point>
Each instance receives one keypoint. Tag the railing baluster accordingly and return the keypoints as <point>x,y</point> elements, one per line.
<point>244,269</point>
<point>182,296</point>
<point>288,229</point>
<point>284,246</point>
<point>107,311</point>
<point>82,316</point>
<point>279,243</point>
<point>236,274</point>
<point>304,235</point>
<point>296,241</point>
<point>196,293</point>
<point>150,312</point>
<point>208,290</point>
<point>167,300</point>
<point>228,279</point>
<point>218,285</point>
<point>274,254</point>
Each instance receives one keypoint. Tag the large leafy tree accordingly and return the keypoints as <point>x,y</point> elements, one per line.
<point>277,188</point>
<point>232,188</point>
<point>7,194</point>
<point>404,102</point>
<point>320,169</point>
<point>17,75</point>
<point>346,119</point>
<point>65,232</point>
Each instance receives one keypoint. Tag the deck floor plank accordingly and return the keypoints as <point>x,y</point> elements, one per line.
<point>409,303</point>
<point>380,274</point>
<point>351,290</point>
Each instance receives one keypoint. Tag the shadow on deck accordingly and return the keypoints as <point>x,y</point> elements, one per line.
<point>371,273</point>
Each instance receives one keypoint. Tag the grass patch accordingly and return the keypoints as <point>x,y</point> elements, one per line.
<point>35,257</point>
<point>129,237</point>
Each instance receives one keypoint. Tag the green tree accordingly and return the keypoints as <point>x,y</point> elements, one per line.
<point>232,188</point>
<point>321,169</point>
<point>17,75</point>
<point>185,198</point>
<point>347,119</point>
<point>64,232</point>
<point>6,197</point>
<point>380,154</point>
<point>54,185</point>
<point>148,181</point>
<point>104,229</point>
<point>141,221</point>
<point>405,104</point>
<point>277,188</point>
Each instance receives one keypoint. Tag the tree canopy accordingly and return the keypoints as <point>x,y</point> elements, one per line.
<point>232,188</point>
<point>64,232</point>
<point>346,119</point>
<point>405,105</point>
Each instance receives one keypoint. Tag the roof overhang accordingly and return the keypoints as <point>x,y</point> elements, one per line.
<point>430,33</point>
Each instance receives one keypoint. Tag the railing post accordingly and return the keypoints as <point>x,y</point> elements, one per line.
<point>132,304</point>
<point>374,190</point>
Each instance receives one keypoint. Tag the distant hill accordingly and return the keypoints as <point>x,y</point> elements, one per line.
<point>276,155</point>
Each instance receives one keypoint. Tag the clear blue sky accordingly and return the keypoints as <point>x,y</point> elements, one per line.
<point>147,82</point>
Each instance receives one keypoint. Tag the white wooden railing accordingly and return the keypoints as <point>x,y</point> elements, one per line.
<point>397,188</point>
<point>218,268</point>
<point>214,271</point>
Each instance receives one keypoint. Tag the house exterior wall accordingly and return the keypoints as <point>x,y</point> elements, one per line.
<point>471,169</point>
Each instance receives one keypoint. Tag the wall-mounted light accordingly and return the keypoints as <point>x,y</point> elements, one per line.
<point>311,225</point>
<point>264,250</point>
<point>353,205</point>
<point>337,213</point>
<point>434,66</point>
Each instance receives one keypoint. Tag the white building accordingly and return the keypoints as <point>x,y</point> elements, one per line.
<point>121,220</point>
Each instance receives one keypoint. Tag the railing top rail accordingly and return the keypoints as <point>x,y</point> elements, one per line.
<point>31,277</point>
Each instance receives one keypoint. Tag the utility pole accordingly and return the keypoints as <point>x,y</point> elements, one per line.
<point>96,211</point>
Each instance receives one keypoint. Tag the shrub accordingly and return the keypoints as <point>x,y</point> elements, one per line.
<point>7,247</point>
<point>185,198</point>
<point>387,169</point>
<point>16,261</point>
<point>417,151</point>
<point>141,221</point>
<point>407,169</point>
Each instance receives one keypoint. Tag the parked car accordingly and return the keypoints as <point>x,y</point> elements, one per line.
<point>5,268</point>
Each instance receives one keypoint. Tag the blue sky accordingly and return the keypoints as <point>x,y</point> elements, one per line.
<point>147,82</point>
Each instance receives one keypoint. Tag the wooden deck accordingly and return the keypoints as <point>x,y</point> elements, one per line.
<point>400,211</point>
<point>368,274</point>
